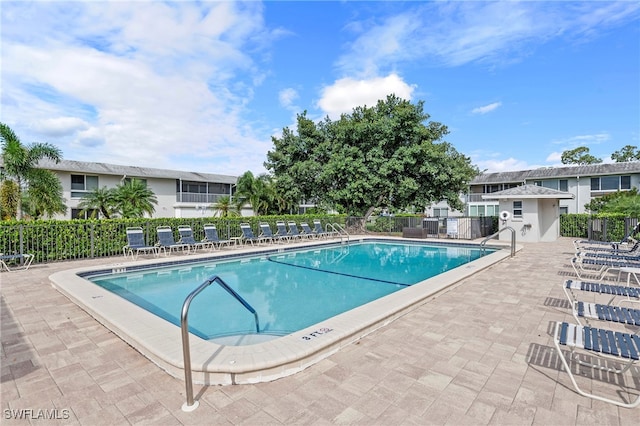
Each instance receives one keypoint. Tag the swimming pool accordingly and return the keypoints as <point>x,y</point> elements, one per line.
<point>287,291</point>
<point>215,363</point>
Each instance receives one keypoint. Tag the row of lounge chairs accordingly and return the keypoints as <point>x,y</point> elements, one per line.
<point>286,232</point>
<point>613,303</point>
<point>594,260</point>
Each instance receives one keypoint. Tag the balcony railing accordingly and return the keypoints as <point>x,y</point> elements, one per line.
<point>474,198</point>
<point>186,197</point>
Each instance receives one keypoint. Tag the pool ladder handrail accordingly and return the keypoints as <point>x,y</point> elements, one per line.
<point>513,239</point>
<point>190,404</point>
<point>336,228</point>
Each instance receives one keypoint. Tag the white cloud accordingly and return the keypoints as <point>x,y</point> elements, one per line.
<point>506,165</point>
<point>457,33</point>
<point>347,93</point>
<point>487,108</point>
<point>584,140</point>
<point>138,82</point>
<point>287,97</point>
<point>554,157</point>
<point>90,138</point>
<point>60,126</point>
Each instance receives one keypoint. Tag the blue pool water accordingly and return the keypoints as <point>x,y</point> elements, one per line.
<point>289,290</point>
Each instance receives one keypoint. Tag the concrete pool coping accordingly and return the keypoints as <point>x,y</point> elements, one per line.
<point>211,363</point>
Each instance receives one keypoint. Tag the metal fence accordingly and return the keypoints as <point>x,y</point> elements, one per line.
<point>598,228</point>
<point>468,228</point>
<point>51,241</point>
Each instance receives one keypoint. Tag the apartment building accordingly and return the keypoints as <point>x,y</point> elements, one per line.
<point>179,193</point>
<point>584,182</point>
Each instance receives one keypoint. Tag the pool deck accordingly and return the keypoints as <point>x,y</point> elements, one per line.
<point>481,353</point>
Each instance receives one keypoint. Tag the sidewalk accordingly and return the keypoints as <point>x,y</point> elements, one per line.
<point>481,353</point>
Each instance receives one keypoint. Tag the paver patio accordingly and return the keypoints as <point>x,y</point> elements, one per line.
<point>481,353</point>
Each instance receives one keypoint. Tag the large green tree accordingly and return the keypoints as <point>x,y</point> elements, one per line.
<point>627,202</point>
<point>579,155</point>
<point>20,162</point>
<point>627,153</point>
<point>388,155</point>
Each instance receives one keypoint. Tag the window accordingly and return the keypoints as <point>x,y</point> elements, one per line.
<point>218,188</point>
<point>493,210</point>
<point>564,210</point>
<point>625,182</point>
<point>517,209</point>
<point>611,183</point>
<point>80,214</point>
<point>440,212</point>
<point>483,210</point>
<point>557,184</point>
<point>81,184</point>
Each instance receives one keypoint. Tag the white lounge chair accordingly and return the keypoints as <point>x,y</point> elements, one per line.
<point>603,312</point>
<point>613,291</point>
<point>136,243</point>
<point>306,230</point>
<point>186,237</point>
<point>600,343</point>
<point>295,232</point>
<point>595,268</point>
<point>248,235</point>
<point>265,232</point>
<point>282,232</point>
<point>211,237</point>
<point>166,241</point>
<point>24,259</point>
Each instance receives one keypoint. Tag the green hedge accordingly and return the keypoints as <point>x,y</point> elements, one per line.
<point>54,240</point>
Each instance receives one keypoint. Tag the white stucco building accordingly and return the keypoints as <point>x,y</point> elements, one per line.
<point>583,182</point>
<point>179,193</point>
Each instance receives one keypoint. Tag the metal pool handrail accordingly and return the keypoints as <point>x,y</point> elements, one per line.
<point>337,229</point>
<point>513,239</point>
<point>191,405</point>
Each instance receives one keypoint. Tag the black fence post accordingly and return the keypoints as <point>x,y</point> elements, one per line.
<point>93,240</point>
<point>21,234</point>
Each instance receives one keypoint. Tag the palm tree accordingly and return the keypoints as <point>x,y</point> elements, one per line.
<point>20,165</point>
<point>225,206</point>
<point>44,195</point>
<point>258,191</point>
<point>134,199</point>
<point>99,200</point>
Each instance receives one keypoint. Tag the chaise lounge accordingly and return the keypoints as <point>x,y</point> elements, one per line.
<point>600,343</point>
<point>24,259</point>
<point>186,237</point>
<point>136,243</point>
<point>211,237</point>
<point>166,241</point>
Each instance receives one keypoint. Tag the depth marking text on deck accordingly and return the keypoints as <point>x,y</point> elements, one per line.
<point>319,332</point>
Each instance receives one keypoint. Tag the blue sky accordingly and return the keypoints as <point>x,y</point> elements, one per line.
<point>202,86</point>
